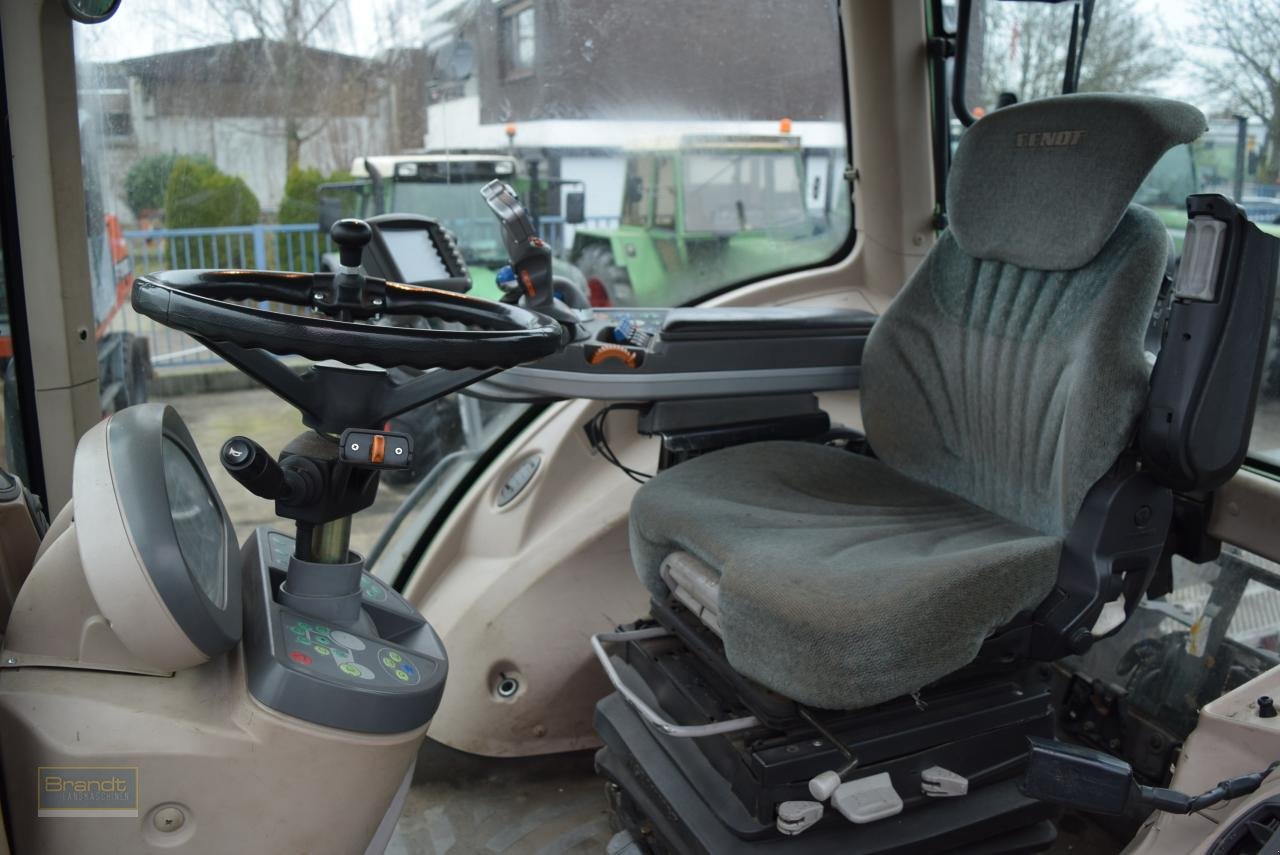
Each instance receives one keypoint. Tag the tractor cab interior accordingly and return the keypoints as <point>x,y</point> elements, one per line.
<point>853,540</point>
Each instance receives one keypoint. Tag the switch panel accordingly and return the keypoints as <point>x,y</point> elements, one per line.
<point>375,449</point>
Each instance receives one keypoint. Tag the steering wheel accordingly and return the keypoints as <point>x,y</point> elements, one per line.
<point>215,307</point>
<point>205,304</point>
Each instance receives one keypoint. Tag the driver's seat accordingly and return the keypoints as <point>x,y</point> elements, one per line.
<point>1003,383</point>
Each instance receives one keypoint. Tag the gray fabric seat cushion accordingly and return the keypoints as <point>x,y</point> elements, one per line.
<point>843,582</point>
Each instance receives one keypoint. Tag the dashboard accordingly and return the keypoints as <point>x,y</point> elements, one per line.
<point>156,545</point>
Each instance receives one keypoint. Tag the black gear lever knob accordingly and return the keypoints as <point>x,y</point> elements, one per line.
<point>351,236</point>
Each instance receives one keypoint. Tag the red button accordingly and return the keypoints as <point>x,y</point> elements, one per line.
<point>300,658</point>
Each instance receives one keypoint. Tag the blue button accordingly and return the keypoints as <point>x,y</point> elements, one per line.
<point>408,669</point>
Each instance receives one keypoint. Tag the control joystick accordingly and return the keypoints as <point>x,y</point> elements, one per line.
<point>350,284</point>
<point>351,236</point>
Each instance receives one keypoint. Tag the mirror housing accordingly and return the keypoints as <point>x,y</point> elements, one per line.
<point>575,207</point>
<point>330,211</point>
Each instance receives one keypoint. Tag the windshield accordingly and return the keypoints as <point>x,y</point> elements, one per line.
<point>226,133</point>
<point>462,210</point>
<point>727,192</point>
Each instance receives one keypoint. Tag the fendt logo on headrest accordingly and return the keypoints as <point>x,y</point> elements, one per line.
<point>1047,139</point>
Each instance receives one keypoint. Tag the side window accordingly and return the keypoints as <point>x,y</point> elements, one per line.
<point>1019,54</point>
<point>1218,626</point>
<point>638,188</point>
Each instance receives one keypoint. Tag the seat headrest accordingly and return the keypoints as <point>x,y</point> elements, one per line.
<point>1043,184</point>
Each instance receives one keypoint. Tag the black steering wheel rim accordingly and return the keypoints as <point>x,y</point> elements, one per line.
<point>197,302</point>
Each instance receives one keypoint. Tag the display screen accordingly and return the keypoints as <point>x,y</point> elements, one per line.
<point>415,254</point>
<point>197,521</point>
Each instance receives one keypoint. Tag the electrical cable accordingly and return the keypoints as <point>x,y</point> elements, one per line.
<point>594,429</point>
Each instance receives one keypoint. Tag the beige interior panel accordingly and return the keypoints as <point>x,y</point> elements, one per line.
<point>245,778</point>
<point>1246,513</point>
<point>1230,739</point>
<point>51,217</point>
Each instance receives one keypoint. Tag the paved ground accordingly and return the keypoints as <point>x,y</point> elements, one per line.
<point>540,806</point>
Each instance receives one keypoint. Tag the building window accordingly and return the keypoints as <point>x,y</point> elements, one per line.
<point>118,125</point>
<point>518,40</point>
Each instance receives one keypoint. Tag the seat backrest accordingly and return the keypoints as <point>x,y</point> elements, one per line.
<point>1010,369</point>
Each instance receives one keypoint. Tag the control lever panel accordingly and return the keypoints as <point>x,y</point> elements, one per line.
<point>530,256</point>
<point>385,674</point>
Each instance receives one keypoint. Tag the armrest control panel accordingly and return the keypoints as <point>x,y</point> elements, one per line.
<point>668,354</point>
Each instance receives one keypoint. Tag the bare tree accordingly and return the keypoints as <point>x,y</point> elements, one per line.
<point>1246,34</point>
<point>288,29</point>
<point>1025,50</point>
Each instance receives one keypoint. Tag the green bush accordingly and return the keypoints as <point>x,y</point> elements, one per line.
<point>198,195</point>
<point>301,204</point>
<point>301,201</point>
<point>145,183</point>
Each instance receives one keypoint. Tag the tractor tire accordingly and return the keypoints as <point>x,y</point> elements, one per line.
<point>134,386</point>
<point>138,370</point>
<point>15,451</point>
<point>1271,367</point>
<point>607,283</point>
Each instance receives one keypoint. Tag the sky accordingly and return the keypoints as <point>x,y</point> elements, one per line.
<point>143,27</point>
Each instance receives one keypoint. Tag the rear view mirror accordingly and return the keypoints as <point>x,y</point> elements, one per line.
<point>575,207</point>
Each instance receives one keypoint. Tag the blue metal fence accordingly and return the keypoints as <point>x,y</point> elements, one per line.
<point>293,247</point>
<point>297,247</point>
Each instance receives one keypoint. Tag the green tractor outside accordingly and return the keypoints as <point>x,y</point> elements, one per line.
<point>699,213</point>
<point>447,188</point>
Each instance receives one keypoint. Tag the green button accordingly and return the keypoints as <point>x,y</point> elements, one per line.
<point>402,676</point>
<point>323,639</point>
<point>389,662</point>
<point>300,627</point>
<point>322,650</point>
<point>350,668</point>
<point>323,629</point>
<point>394,657</point>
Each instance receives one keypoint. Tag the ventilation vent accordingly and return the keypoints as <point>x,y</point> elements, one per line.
<point>1256,832</point>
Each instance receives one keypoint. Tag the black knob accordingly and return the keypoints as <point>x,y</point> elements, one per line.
<point>251,465</point>
<point>351,236</point>
<point>1266,707</point>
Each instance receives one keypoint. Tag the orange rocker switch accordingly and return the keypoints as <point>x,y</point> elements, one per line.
<point>375,449</point>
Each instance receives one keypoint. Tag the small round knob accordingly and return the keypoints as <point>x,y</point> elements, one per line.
<point>351,236</point>
<point>1266,707</point>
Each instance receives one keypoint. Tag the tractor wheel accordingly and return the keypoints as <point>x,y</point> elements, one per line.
<point>134,385</point>
<point>607,283</point>
<point>15,454</point>
<point>138,370</point>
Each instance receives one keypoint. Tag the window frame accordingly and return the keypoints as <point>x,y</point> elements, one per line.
<point>509,40</point>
